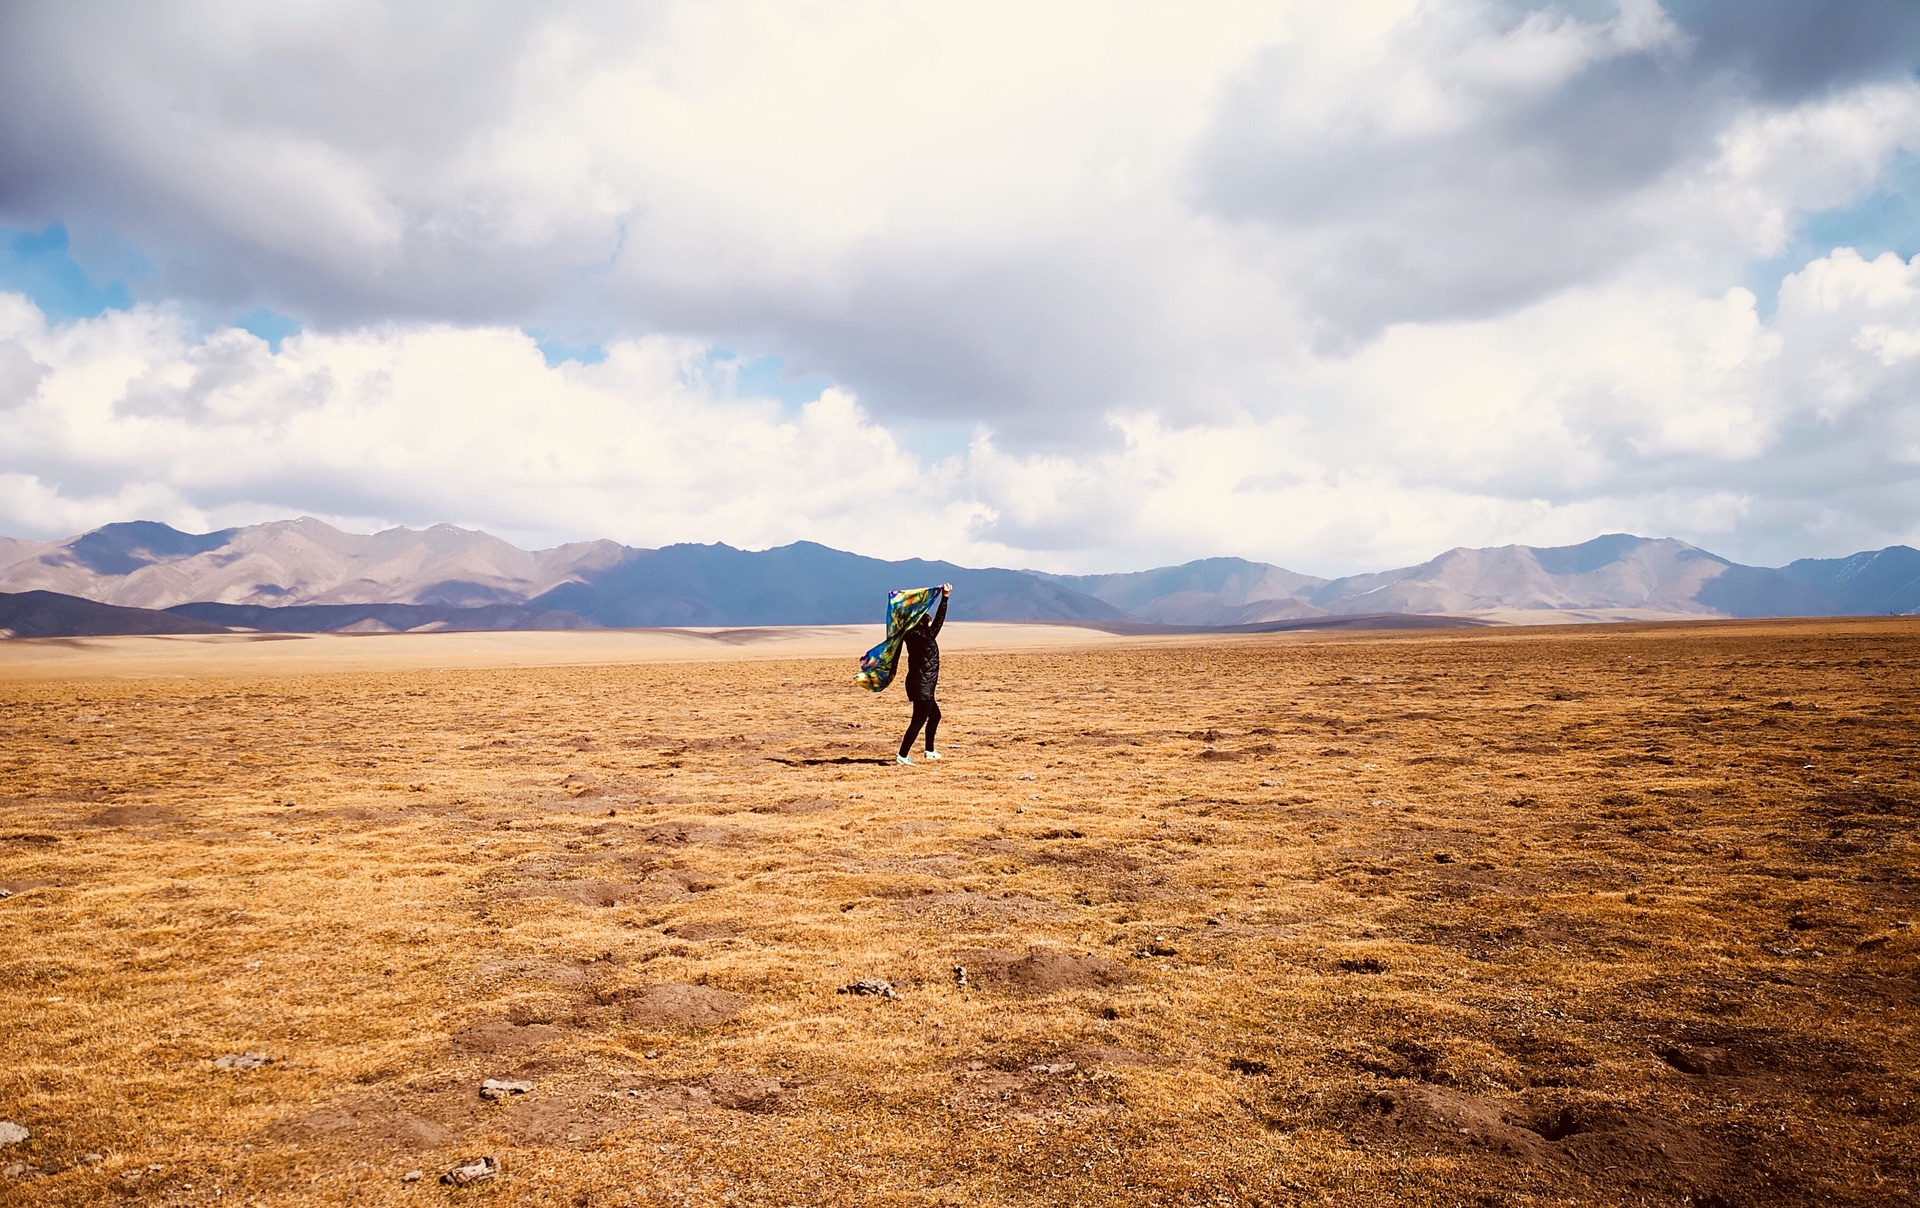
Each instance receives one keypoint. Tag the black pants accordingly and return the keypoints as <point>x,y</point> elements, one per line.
<point>925,713</point>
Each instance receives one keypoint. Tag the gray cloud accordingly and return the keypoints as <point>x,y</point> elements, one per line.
<point>295,157</point>
<point>20,375</point>
<point>1791,50</point>
<point>1534,188</point>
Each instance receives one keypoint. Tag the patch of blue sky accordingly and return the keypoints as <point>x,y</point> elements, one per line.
<point>767,377</point>
<point>270,326</point>
<point>934,441</point>
<point>762,377</point>
<point>1886,220</point>
<point>558,351</point>
<point>40,264</point>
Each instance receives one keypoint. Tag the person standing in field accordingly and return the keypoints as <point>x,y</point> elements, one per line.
<point>923,677</point>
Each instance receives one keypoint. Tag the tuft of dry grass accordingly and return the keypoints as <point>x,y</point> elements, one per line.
<point>1577,916</point>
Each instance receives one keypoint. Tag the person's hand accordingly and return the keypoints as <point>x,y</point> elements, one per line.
<point>946,589</point>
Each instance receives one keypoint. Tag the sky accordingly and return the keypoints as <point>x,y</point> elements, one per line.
<point>1335,284</point>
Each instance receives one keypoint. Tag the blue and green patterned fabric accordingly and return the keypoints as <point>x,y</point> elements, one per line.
<point>904,610</point>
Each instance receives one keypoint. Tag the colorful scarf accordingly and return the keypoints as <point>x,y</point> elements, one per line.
<point>905,609</point>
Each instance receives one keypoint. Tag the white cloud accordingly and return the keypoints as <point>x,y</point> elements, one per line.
<point>1859,323</point>
<point>1602,410</point>
<point>428,422</point>
<point>1626,408</point>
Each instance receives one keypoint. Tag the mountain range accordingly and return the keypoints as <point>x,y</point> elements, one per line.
<point>1616,574</point>
<point>306,576</point>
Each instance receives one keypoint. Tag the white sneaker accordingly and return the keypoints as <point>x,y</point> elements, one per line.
<point>903,759</point>
<point>933,754</point>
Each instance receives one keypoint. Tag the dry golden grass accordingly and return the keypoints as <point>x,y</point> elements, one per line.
<point>1597,916</point>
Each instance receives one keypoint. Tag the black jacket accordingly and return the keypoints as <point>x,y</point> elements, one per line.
<point>923,656</point>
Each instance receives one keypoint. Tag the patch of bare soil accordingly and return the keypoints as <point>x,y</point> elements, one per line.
<point>1732,1051</point>
<point>799,805</point>
<point>1451,1119</point>
<point>371,1124</point>
<point>505,1037</point>
<point>1604,1143</point>
<point>693,835</point>
<point>672,1005</point>
<point>564,1117</point>
<point>134,815</point>
<point>1092,1056</point>
<point>1040,971</point>
<point>745,1092</point>
<point>716,929</point>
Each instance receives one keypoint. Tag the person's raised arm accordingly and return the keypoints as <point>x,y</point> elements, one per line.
<point>940,613</point>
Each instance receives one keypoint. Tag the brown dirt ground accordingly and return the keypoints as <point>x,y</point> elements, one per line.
<point>1613,915</point>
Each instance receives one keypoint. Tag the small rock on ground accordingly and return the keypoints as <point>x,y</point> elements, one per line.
<point>242,1061</point>
<point>413,1176</point>
<point>475,1171</point>
<point>13,1134</point>
<point>493,1088</point>
<point>869,985</point>
<point>1056,1067</point>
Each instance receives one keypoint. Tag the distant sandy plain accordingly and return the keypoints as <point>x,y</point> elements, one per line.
<point>277,653</point>
<point>1602,915</point>
<point>292,654</point>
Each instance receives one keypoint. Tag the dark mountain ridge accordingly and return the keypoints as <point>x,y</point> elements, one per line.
<point>801,584</point>
<point>48,614</point>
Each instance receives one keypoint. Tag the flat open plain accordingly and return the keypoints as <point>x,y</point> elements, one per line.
<point>1608,915</point>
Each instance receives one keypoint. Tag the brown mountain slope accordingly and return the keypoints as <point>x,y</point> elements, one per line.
<point>1616,571</point>
<point>303,561</point>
